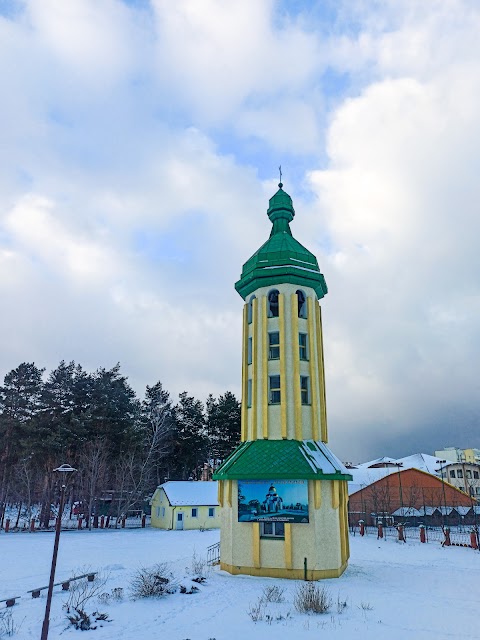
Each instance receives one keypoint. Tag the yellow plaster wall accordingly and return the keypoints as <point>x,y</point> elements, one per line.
<point>168,521</point>
<point>290,419</point>
<point>322,541</point>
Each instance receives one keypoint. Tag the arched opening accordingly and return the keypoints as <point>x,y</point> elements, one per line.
<point>302,304</point>
<point>250,310</point>
<point>272,310</point>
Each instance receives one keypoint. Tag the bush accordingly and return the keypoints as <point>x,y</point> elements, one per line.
<point>199,568</point>
<point>311,598</point>
<point>8,627</point>
<point>156,581</point>
<point>273,594</point>
<point>83,621</point>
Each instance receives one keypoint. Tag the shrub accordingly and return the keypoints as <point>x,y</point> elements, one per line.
<point>82,591</point>
<point>273,593</point>
<point>312,598</point>
<point>199,568</point>
<point>156,581</point>
<point>8,627</point>
<point>256,611</point>
<point>80,619</point>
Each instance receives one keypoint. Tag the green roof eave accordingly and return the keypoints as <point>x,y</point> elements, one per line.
<point>282,459</point>
<point>281,274</point>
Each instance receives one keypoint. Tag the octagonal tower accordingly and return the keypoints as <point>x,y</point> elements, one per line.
<point>282,491</point>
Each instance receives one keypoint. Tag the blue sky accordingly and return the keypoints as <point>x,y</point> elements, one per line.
<point>140,142</point>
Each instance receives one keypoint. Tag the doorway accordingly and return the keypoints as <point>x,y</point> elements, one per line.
<point>179,524</point>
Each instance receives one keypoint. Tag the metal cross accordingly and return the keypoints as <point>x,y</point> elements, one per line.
<point>280,169</point>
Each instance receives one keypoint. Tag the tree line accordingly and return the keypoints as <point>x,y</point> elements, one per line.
<point>121,446</point>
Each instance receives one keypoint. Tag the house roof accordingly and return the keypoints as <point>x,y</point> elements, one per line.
<point>190,493</point>
<point>282,459</point>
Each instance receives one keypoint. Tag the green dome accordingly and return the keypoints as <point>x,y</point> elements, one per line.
<point>282,259</point>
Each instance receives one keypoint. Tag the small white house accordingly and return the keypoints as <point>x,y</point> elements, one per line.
<point>186,505</point>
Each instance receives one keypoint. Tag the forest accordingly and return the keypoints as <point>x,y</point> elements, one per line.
<point>121,446</point>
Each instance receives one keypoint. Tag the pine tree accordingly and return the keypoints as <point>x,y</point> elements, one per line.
<point>191,442</point>
<point>223,425</point>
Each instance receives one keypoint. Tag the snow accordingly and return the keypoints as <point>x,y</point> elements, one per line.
<point>191,493</point>
<point>320,458</point>
<point>397,590</point>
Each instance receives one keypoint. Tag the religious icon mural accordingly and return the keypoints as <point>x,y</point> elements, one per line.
<point>273,501</point>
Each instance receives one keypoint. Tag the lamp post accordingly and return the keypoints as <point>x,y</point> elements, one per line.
<point>63,472</point>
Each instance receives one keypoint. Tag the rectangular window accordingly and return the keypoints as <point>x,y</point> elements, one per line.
<point>163,512</point>
<point>477,491</point>
<point>249,392</point>
<point>475,475</point>
<point>304,390</point>
<point>459,473</point>
<point>249,351</point>
<point>274,345</point>
<point>468,474</point>
<point>452,473</point>
<point>194,512</point>
<point>158,512</point>
<point>302,344</point>
<point>272,529</point>
<point>211,512</point>
<point>274,389</point>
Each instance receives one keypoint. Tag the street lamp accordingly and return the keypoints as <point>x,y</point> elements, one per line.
<point>63,472</point>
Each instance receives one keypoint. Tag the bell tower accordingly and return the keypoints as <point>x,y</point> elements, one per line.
<point>283,483</point>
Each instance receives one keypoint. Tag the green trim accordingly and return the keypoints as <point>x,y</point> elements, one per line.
<point>282,259</point>
<point>281,459</point>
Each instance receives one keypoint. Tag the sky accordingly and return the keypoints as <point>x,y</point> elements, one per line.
<point>140,142</point>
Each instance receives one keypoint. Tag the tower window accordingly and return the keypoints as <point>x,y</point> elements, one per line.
<point>459,473</point>
<point>249,392</point>
<point>250,310</point>
<point>273,304</point>
<point>272,529</point>
<point>274,389</point>
<point>274,345</point>
<point>249,351</point>
<point>304,390</point>
<point>303,346</point>
<point>302,304</point>
<point>452,473</point>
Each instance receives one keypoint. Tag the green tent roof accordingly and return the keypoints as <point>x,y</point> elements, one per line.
<point>282,258</point>
<point>282,459</point>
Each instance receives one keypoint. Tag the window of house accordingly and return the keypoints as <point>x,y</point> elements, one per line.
<point>477,491</point>
<point>302,345</point>
<point>158,512</point>
<point>249,392</point>
<point>302,304</point>
<point>274,345</point>
<point>272,529</point>
<point>459,473</point>
<point>468,474</point>
<point>272,307</point>
<point>250,310</point>
<point>452,473</point>
<point>304,390</point>
<point>475,475</point>
<point>163,512</point>
<point>274,389</point>
<point>249,350</point>
<point>211,512</point>
<point>462,488</point>
<point>194,512</point>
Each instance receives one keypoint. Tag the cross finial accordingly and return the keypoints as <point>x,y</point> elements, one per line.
<point>280,171</point>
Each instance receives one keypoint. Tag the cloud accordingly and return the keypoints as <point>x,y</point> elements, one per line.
<point>134,143</point>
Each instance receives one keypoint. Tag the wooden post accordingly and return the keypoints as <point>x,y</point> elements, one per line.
<point>7,525</point>
<point>422,533</point>
<point>380,530</point>
<point>80,520</point>
<point>361,524</point>
<point>123,521</point>
<point>446,533</point>
<point>102,522</point>
<point>473,538</point>
<point>32,524</point>
<point>144,520</point>
<point>401,535</point>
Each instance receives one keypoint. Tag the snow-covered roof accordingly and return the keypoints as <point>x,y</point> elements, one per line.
<point>406,512</point>
<point>367,473</point>
<point>191,493</point>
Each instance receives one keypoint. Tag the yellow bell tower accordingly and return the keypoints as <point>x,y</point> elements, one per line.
<point>283,492</point>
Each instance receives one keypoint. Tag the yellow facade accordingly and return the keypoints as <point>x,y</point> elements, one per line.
<point>289,419</point>
<point>166,516</point>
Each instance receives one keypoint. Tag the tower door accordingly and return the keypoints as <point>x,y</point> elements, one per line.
<point>179,523</point>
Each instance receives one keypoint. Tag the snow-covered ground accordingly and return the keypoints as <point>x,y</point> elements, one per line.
<point>391,590</point>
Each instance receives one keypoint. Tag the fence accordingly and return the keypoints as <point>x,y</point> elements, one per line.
<point>461,536</point>
<point>70,523</point>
